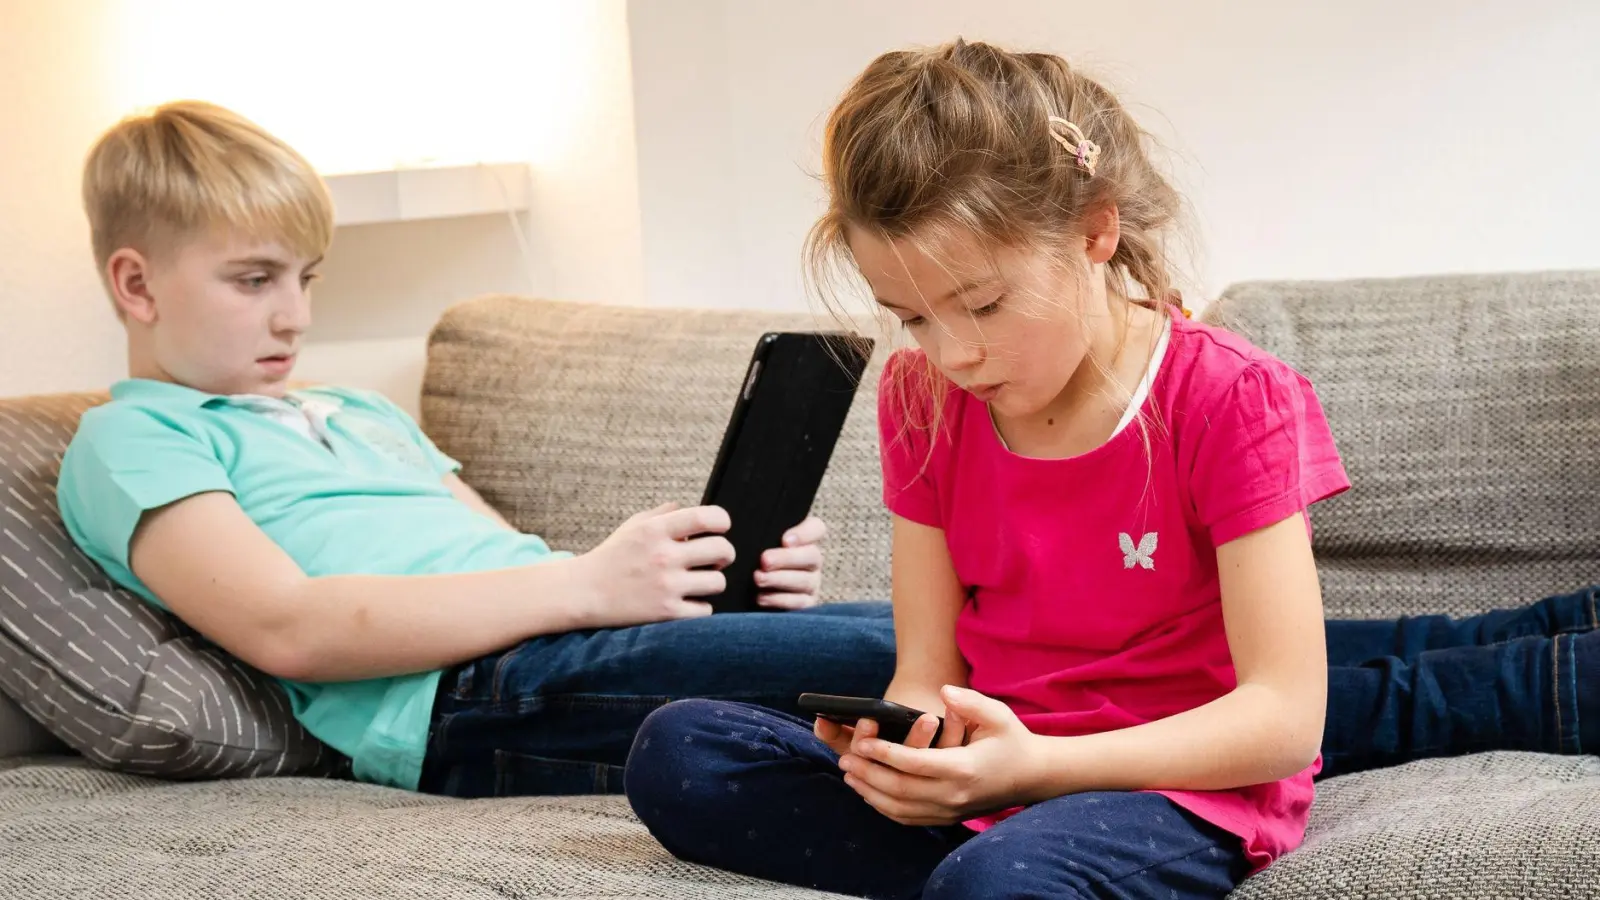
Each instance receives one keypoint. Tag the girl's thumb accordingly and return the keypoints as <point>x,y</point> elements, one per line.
<point>969,702</point>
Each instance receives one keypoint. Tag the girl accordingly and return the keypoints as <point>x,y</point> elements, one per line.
<point>1102,571</point>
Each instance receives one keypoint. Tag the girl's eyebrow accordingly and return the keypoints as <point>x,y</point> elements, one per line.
<point>958,291</point>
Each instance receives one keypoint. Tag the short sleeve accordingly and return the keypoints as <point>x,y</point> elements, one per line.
<point>441,464</point>
<point>905,444</point>
<point>123,462</point>
<point>1264,453</point>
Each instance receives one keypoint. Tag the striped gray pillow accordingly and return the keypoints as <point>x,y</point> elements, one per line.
<point>128,686</point>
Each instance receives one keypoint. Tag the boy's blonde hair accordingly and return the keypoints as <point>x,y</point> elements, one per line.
<point>165,176</point>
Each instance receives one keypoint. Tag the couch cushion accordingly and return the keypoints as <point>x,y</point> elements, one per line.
<point>1491,827</point>
<point>1488,826</point>
<point>569,418</point>
<point>20,735</point>
<point>75,832</point>
<point>1467,410</point>
<point>126,685</point>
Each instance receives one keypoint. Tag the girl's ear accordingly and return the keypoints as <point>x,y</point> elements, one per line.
<point>1101,234</point>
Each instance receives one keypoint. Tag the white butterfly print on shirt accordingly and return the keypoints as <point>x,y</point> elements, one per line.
<point>1142,555</point>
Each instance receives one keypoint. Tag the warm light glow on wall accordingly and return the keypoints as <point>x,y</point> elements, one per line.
<point>358,85</point>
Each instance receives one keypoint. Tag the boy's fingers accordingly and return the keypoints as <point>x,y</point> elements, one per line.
<point>787,601</point>
<point>788,581</point>
<point>811,531</point>
<point>695,521</point>
<point>807,559</point>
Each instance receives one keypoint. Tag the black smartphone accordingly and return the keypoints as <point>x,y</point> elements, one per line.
<point>786,420</point>
<point>894,721</point>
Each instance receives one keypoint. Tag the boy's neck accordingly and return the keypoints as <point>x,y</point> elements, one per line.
<point>142,362</point>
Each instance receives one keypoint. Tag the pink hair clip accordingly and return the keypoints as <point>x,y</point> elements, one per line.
<point>1085,151</point>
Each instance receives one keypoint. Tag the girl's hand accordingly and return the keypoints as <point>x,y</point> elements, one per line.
<point>840,738</point>
<point>837,737</point>
<point>790,577</point>
<point>983,764</point>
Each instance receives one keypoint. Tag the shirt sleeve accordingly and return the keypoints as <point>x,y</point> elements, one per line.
<point>1264,453</point>
<point>123,462</point>
<point>441,464</point>
<point>905,440</point>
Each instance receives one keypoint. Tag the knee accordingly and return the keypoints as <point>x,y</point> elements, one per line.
<point>989,867</point>
<point>671,739</point>
<point>977,869</point>
<point>674,749</point>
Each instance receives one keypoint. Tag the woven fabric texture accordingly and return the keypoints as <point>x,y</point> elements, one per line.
<point>570,418</point>
<point>1467,410</point>
<point>1486,827</point>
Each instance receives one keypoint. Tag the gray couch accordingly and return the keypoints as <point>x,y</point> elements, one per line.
<point>1467,410</point>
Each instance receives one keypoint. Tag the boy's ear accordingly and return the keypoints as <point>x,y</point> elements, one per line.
<point>128,272</point>
<point>1101,234</point>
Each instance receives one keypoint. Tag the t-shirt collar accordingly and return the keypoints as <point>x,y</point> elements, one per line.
<point>149,390</point>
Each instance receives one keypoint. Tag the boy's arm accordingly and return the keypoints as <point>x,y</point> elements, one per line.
<point>215,569</point>
<point>472,498</point>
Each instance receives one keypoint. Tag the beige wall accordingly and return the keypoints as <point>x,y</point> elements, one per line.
<point>1314,140</point>
<point>673,142</point>
<point>547,81</point>
<point>57,330</point>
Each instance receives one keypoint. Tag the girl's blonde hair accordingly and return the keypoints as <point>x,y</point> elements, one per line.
<point>1018,149</point>
<point>162,177</point>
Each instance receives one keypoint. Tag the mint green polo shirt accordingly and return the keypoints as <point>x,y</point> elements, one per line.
<point>371,500</point>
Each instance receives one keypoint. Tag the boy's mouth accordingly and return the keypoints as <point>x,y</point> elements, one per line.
<point>278,364</point>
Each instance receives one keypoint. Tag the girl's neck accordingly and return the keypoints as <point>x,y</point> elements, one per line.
<point>1085,413</point>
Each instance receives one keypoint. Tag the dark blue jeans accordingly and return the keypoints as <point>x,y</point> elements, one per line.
<point>1431,686</point>
<point>783,812</point>
<point>558,714</point>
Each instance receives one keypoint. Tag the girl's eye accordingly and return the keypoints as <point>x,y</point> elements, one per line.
<point>989,310</point>
<point>912,322</point>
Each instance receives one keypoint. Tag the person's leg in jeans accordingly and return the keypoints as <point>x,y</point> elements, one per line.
<point>557,714</point>
<point>1428,686</point>
<point>784,813</point>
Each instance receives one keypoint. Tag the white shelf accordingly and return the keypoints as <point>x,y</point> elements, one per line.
<point>432,192</point>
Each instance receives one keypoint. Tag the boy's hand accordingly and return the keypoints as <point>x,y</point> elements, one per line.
<point>647,569</point>
<point>790,576</point>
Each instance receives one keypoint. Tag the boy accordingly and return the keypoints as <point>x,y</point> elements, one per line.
<point>319,536</point>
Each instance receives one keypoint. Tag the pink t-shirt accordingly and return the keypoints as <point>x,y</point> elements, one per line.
<point>1093,600</point>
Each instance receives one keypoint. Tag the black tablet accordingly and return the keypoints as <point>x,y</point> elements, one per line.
<point>790,410</point>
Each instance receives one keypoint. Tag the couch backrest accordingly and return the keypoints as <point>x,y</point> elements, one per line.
<point>1467,411</point>
<point>571,417</point>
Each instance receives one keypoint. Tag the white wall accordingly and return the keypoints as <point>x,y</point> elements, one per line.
<point>674,142</point>
<point>354,86</point>
<point>1361,138</point>
<point>57,330</point>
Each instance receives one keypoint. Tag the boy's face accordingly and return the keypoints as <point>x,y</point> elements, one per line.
<point>224,314</point>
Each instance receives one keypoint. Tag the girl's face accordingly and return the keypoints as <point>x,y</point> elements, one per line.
<point>1010,327</point>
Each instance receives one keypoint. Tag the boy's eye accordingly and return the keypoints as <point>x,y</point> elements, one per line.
<point>307,278</point>
<point>255,282</point>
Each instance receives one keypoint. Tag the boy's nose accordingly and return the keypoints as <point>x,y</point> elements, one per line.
<point>294,314</point>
